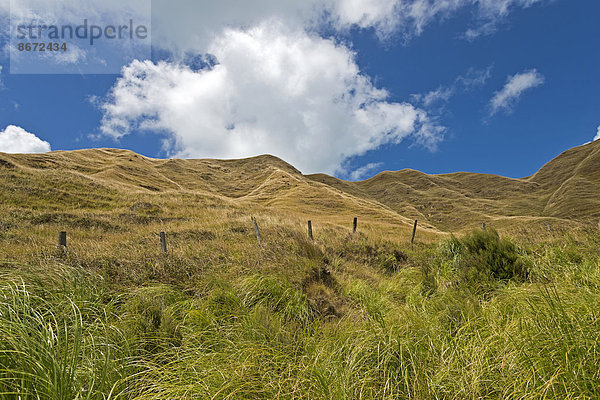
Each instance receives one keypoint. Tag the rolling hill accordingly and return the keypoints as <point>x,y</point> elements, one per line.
<point>565,189</point>
<point>565,192</point>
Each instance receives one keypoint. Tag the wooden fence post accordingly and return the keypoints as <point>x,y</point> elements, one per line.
<point>163,242</point>
<point>310,234</point>
<point>354,225</point>
<point>257,230</point>
<point>412,239</point>
<point>483,226</point>
<point>62,240</point>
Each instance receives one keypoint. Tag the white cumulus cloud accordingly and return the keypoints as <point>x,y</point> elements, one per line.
<point>363,172</point>
<point>597,137</point>
<point>15,139</point>
<point>274,90</point>
<point>515,86</point>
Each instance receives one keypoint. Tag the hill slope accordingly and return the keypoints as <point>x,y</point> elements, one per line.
<point>111,184</point>
<point>564,192</point>
<point>566,188</point>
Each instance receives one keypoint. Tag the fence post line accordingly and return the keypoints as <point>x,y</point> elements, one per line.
<point>412,239</point>
<point>62,240</point>
<point>354,224</point>
<point>310,233</point>
<point>163,242</point>
<point>257,230</point>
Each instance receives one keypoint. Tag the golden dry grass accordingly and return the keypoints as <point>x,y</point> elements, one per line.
<point>562,195</point>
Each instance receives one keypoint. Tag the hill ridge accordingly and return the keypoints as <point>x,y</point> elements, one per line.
<point>566,188</point>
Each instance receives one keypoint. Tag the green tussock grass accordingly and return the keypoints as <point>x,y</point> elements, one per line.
<point>340,318</point>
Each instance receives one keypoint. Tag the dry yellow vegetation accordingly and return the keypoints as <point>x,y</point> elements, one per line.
<point>563,194</point>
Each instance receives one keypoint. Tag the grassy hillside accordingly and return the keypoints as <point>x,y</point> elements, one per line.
<point>564,191</point>
<point>347,315</point>
<point>562,195</point>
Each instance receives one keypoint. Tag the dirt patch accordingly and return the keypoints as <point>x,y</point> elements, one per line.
<point>322,275</point>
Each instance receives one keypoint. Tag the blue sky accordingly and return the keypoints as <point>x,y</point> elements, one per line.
<point>363,89</point>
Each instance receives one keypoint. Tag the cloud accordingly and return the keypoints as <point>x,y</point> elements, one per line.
<point>492,13</point>
<point>441,94</point>
<point>286,91</point>
<point>515,86</point>
<point>597,137</point>
<point>475,77</point>
<point>15,139</point>
<point>193,24</point>
<point>362,172</point>
<point>471,79</point>
<point>274,90</point>
<point>411,17</point>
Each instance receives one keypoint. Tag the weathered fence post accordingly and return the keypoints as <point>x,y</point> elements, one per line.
<point>163,242</point>
<point>257,230</point>
<point>483,226</point>
<point>310,234</point>
<point>354,224</point>
<point>412,239</point>
<point>62,240</point>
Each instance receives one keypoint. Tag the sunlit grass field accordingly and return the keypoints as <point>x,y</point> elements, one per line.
<point>341,317</point>
<point>365,315</point>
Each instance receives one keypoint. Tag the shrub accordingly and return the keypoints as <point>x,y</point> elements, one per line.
<point>485,257</point>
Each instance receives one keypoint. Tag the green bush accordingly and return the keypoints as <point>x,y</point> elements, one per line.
<point>485,257</point>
